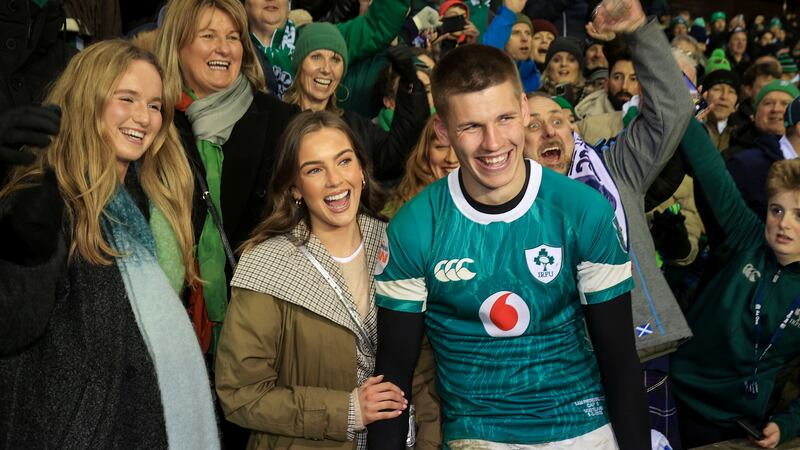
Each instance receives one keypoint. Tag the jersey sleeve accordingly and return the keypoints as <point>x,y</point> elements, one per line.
<point>604,268</point>
<point>400,270</point>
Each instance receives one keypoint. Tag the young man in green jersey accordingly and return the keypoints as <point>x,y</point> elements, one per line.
<point>500,262</point>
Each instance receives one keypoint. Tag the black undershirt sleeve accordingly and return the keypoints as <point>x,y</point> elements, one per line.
<point>610,326</point>
<point>399,340</point>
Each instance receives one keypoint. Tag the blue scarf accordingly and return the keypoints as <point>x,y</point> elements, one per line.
<point>164,325</point>
<point>588,168</point>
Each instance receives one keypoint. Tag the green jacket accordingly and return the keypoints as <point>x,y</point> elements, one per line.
<point>709,371</point>
<point>365,35</point>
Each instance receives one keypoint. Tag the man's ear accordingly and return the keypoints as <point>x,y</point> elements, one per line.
<point>524,110</point>
<point>440,127</point>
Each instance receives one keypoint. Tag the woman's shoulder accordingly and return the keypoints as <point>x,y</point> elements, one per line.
<point>280,246</point>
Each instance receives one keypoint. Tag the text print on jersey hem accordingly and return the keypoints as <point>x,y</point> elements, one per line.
<point>504,314</point>
<point>453,270</point>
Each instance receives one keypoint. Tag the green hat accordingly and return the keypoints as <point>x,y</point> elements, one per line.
<point>718,61</point>
<point>776,21</point>
<point>788,64</point>
<point>700,22</point>
<point>316,36</point>
<point>563,103</point>
<point>522,18</point>
<point>777,85</point>
<point>718,15</point>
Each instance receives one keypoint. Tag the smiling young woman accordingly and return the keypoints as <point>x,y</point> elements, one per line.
<point>302,323</point>
<point>95,291</point>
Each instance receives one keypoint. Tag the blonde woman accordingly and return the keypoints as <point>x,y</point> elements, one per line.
<point>96,349</point>
<point>229,127</point>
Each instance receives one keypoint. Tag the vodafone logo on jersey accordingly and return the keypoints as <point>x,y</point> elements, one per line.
<point>505,314</point>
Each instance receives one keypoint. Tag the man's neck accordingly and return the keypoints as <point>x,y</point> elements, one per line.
<point>264,33</point>
<point>497,201</point>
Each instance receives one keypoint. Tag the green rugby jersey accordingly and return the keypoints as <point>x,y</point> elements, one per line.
<point>502,296</point>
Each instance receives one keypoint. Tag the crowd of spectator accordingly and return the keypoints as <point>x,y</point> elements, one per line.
<point>473,224</point>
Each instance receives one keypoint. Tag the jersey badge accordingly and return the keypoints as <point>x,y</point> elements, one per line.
<point>453,270</point>
<point>382,260</point>
<point>751,273</point>
<point>544,262</point>
<point>504,314</point>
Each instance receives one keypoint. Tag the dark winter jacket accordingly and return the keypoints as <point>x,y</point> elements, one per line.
<point>75,372</point>
<point>32,53</point>
<point>749,168</point>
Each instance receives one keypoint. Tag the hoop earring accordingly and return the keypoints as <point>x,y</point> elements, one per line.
<point>346,97</point>
<point>299,203</point>
<point>363,182</point>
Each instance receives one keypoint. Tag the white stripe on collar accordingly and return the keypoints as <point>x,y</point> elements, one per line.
<point>518,211</point>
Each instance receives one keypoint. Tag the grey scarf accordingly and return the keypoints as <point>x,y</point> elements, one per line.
<point>213,117</point>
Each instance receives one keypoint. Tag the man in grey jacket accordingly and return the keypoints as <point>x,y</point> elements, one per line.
<point>624,172</point>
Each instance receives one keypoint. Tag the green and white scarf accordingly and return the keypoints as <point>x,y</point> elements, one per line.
<point>213,119</point>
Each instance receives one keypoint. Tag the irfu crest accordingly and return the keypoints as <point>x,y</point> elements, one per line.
<point>544,262</point>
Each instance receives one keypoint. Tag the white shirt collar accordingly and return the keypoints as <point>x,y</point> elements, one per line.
<point>787,149</point>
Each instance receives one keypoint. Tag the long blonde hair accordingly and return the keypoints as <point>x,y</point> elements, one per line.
<point>179,29</point>
<point>419,172</point>
<point>84,161</point>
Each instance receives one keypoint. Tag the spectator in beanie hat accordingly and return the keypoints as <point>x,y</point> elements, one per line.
<point>544,33</point>
<point>718,21</point>
<point>736,51</point>
<point>777,113</point>
<point>594,55</point>
<point>679,26</point>
<point>564,69</point>
<point>721,91</point>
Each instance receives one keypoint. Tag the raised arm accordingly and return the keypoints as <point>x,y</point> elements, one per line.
<point>649,141</point>
<point>740,224</point>
<point>366,35</point>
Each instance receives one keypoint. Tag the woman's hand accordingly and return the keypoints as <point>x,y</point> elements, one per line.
<point>772,436</point>
<point>379,400</point>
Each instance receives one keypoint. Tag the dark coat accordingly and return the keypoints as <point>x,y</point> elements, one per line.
<point>249,157</point>
<point>33,54</point>
<point>749,170</point>
<point>74,369</point>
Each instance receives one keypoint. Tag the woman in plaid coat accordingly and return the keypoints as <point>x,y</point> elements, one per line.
<point>296,353</point>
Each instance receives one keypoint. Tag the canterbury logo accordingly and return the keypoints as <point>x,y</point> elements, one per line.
<point>751,273</point>
<point>453,270</point>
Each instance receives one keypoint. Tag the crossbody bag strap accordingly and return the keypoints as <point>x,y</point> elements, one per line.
<point>215,217</point>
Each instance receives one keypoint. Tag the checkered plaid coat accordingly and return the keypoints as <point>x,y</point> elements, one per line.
<point>288,356</point>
